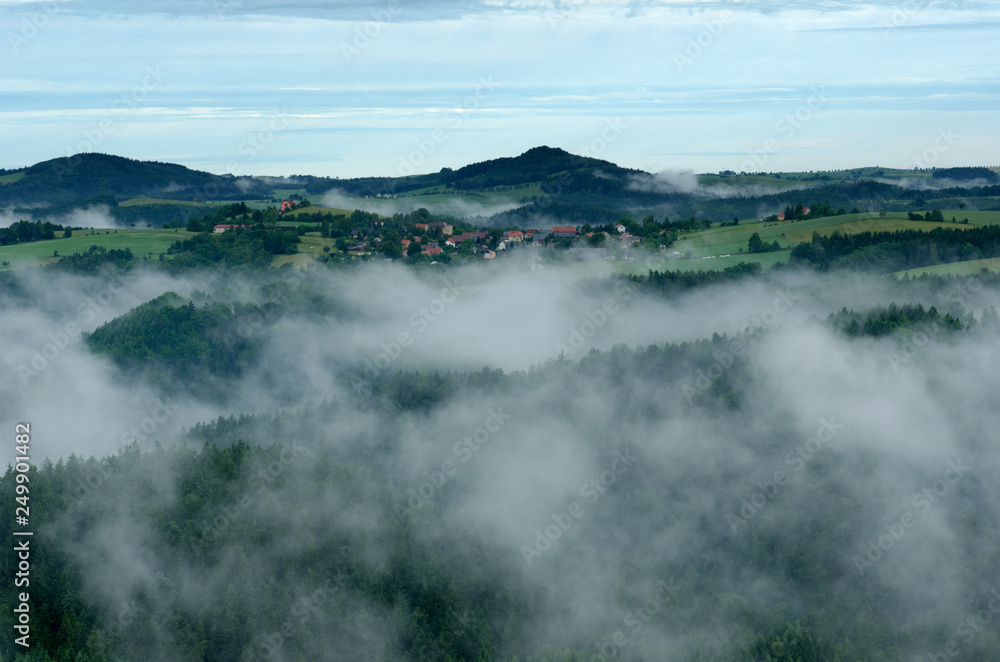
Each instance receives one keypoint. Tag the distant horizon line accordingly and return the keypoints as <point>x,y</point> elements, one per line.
<point>722,172</point>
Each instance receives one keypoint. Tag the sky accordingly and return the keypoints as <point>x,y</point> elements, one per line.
<point>391,87</point>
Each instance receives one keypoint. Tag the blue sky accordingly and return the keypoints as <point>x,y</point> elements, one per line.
<point>392,86</point>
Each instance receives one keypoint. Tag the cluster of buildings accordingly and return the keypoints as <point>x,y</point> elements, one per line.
<point>781,215</point>
<point>446,228</point>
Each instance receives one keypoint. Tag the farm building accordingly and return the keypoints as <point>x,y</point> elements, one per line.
<point>222,227</point>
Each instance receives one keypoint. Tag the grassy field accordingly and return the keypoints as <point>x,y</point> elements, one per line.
<point>312,210</point>
<point>142,243</point>
<point>10,179</point>
<point>133,202</point>
<point>310,247</point>
<point>967,268</point>
<point>730,239</point>
<point>975,217</point>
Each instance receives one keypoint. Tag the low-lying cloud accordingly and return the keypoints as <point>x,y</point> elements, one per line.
<point>455,206</point>
<point>586,489</point>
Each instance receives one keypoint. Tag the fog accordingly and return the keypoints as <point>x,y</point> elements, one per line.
<point>97,217</point>
<point>933,183</point>
<point>686,181</point>
<point>858,428</point>
<point>8,218</point>
<point>455,206</point>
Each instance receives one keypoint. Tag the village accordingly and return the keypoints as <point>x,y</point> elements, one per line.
<point>423,237</point>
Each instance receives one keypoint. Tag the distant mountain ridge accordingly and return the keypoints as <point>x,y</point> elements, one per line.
<point>562,185</point>
<point>538,164</point>
<point>68,179</point>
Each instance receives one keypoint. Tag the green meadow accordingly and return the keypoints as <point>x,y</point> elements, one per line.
<point>142,243</point>
<point>967,268</point>
<point>720,240</point>
<point>10,179</point>
<point>135,202</point>
<point>312,210</point>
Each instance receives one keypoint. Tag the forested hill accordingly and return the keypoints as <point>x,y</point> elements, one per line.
<point>67,179</point>
<point>549,182</point>
<point>538,164</point>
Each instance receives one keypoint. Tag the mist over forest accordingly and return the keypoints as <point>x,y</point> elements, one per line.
<point>490,462</point>
<point>499,331</point>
